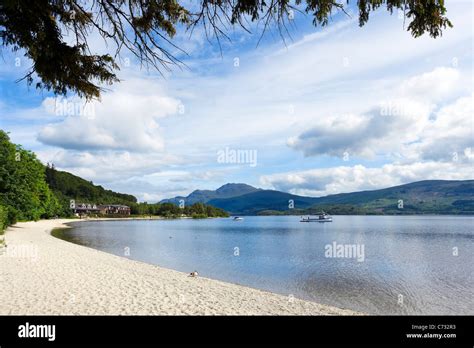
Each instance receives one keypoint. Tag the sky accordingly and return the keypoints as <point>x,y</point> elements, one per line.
<point>330,110</point>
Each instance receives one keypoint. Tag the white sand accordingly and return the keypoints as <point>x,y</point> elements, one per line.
<point>40,274</point>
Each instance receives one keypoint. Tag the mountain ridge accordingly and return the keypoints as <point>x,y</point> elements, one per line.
<point>202,196</point>
<point>420,197</point>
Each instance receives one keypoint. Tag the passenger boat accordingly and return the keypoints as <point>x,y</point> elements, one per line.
<point>323,217</point>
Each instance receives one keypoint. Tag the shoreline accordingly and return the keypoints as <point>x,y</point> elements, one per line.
<point>44,275</point>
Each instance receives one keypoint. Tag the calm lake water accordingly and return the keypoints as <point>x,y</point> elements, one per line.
<point>402,264</point>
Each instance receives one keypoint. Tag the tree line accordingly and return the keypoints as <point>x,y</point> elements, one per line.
<point>196,210</point>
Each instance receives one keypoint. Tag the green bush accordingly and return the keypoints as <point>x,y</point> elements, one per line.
<point>199,216</point>
<point>3,218</point>
<point>12,216</point>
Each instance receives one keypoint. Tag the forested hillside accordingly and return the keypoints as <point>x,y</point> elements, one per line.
<point>67,186</point>
<point>24,193</point>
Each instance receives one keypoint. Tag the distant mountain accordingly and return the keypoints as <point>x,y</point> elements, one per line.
<point>254,202</point>
<point>204,196</point>
<point>422,197</point>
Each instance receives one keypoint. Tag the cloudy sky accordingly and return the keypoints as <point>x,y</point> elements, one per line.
<point>333,110</point>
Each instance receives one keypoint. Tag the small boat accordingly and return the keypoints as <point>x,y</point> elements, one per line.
<point>238,218</point>
<point>323,217</point>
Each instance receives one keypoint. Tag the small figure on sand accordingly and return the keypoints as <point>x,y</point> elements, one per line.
<point>193,274</point>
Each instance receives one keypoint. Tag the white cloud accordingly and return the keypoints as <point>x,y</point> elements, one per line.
<point>108,165</point>
<point>250,104</point>
<point>450,134</point>
<point>435,85</point>
<point>364,135</point>
<point>408,123</point>
<point>146,191</point>
<point>125,119</point>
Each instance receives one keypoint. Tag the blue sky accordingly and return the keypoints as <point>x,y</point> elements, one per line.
<point>336,109</point>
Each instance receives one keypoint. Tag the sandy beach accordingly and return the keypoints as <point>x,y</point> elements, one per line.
<point>40,275</point>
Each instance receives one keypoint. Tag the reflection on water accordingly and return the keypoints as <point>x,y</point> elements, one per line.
<point>411,264</point>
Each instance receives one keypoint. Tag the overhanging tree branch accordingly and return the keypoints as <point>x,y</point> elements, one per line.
<point>146,29</point>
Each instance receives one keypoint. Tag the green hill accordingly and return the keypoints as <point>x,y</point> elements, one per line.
<point>67,186</point>
<point>422,197</point>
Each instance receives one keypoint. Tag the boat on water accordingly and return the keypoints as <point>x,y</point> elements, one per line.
<point>238,218</point>
<point>322,217</point>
